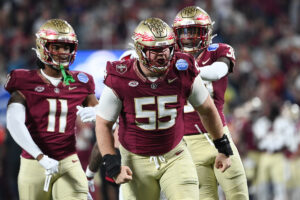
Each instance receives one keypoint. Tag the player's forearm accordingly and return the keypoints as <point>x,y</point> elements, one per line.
<point>214,72</point>
<point>104,136</point>
<point>18,130</point>
<point>91,101</point>
<point>95,159</point>
<point>210,118</point>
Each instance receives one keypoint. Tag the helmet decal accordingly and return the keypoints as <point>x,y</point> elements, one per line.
<point>145,37</point>
<point>157,28</point>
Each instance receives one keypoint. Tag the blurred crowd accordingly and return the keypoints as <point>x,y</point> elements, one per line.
<point>263,94</point>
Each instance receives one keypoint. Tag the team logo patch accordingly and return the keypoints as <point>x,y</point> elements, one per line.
<point>182,64</point>
<point>121,68</point>
<point>83,77</point>
<point>39,89</point>
<point>154,86</point>
<point>212,47</point>
<point>133,83</point>
<point>56,90</point>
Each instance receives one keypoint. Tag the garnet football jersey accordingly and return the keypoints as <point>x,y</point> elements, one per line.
<point>215,88</point>
<point>50,110</point>
<point>151,119</point>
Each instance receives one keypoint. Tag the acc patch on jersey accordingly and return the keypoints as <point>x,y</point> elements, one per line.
<point>83,77</point>
<point>133,83</point>
<point>212,47</point>
<point>121,68</point>
<point>181,64</point>
<point>39,88</point>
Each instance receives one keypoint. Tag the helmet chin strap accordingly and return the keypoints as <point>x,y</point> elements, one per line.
<point>67,77</point>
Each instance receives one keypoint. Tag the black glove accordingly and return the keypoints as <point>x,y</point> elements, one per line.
<point>112,164</point>
<point>223,145</point>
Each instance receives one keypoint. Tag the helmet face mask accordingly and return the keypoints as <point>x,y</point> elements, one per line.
<point>192,38</point>
<point>56,32</point>
<point>157,59</point>
<point>193,29</point>
<point>154,43</point>
<point>57,56</point>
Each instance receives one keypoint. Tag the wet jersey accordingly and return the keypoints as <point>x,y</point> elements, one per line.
<point>215,88</point>
<point>51,110</point>
<point>151,118</point>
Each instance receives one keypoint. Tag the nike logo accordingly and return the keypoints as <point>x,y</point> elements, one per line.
<point>204,62</point>
<point>172,80</point>
<point>74,161</point>
<point>72,88</point>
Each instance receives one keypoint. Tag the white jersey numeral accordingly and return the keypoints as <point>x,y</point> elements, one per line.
<point>152,116</point>
<point>188,108</point>
<point>52,115</point>
<point>7,80</point>
<point>230,52</point>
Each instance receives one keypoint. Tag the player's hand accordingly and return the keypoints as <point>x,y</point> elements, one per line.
<point>90,177</point>
<point>124,176</point>
<point>51,165</point>
<point>91,185</point>
<point>87,114</point>
<point>222,162</point>
<point>89,197</point>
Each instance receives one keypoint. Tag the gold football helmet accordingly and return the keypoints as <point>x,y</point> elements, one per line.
<point>55,31</point>
<point>193,29</point>
<point>155,35</point>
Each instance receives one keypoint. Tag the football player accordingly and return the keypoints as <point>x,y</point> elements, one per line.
<point>193,30</point>
<point>148,94</point>
<point>109,188</point>
<point>41,116</point>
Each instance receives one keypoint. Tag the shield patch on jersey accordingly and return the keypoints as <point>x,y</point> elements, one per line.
<point>121,69</point>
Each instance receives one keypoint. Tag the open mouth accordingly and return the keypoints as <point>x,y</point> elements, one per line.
<point>63,59</point>
<point>161,61</point>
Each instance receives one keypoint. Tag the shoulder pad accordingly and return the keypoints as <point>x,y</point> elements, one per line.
<point>82,77</point>
<point>18,78</point>
<point>184,62</point>
<point>21,73</point>
<point>129,54</point>
<point>118,67</point>
<point>213,47</point>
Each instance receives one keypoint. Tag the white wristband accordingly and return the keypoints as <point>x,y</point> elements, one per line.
<point>89,173</point>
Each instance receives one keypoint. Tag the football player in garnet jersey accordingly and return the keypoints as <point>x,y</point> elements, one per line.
<point>193,29</point>
<point>41,116</point>
<point>148,95</point>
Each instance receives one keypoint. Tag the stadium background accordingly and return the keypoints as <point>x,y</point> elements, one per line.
<point>264,34</point>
